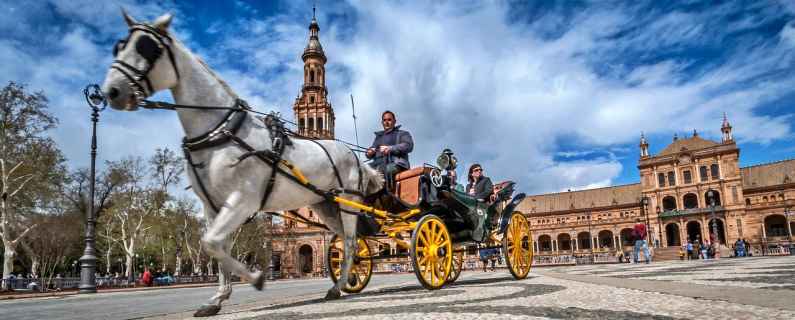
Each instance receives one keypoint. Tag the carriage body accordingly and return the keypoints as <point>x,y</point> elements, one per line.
<point>427,214</point>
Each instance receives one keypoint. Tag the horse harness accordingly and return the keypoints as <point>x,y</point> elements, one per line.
<point>226,131</point>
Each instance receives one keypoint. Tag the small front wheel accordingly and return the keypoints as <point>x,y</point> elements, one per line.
<point>457,266</point>
<point>362,268</point>
<point>431,252</point>
<point>517,244</point>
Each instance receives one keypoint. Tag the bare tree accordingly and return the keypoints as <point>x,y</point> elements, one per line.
<point>31,166</point>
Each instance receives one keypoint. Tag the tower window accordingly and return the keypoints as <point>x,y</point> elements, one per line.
<point>312,76</point>
<point>311,124</point>
<point>320,124</point>
<point>311,99</point>
<point>301,124</point>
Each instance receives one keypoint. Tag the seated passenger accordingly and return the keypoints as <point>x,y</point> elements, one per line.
<point>479,186</point>
<point>390,149</point>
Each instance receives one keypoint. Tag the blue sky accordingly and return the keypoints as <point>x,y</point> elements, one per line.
<point>553,94</point>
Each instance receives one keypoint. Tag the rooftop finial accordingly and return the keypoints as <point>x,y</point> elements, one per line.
<point>313,10</point>
<point>676,137</point>
<point>695,133</point>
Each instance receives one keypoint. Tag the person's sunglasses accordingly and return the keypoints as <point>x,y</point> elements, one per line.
<point>477,169</point>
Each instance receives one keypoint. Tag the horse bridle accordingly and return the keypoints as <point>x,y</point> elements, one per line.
<point>151,50</point>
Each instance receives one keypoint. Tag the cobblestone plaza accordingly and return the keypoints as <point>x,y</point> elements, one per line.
<point>743,288</point>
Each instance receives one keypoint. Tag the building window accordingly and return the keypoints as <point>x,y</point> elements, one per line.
<point>661,179</point>
<point>714,171</point>
<point>688,177</point>
<point>301,124</point>
<point>671,178</point>
<point>320,123</point>
<point>312,76</point>
<point>747,201</point>
<point>734,194</point>
<point>703,172</point>
<point>311,124</point>
<point>311,99</point>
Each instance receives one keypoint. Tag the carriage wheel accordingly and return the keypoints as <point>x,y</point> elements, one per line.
<point>362,268</point>
<point>517,244</point>
<point>431,252</point>
<point>456,267</point>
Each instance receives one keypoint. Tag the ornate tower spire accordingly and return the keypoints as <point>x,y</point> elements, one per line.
<point>644,146</point>
<point>726,129</point>
<point>313,112</point>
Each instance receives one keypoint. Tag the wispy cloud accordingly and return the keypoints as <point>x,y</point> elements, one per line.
<point>503,86</point>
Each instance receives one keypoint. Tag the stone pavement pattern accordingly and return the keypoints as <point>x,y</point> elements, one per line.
<point>479,295</point>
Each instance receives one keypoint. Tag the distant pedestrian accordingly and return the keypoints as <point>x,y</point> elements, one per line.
<point>639,233</point>
<point>146,279</point>
<point>740,248</point>
<point>703,251</point>
<point>689,250</point>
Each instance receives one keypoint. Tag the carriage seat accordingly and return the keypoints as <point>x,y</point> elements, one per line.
<point>407,185</point>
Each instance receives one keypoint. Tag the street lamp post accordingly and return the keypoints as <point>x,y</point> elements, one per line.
<point>787,204</point>
<point>711,196</point>
<point>659,225</point>
<point>645,202</point>
<point>88,261</point>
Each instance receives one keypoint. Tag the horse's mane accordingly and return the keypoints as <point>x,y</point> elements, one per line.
<point>221,81</point>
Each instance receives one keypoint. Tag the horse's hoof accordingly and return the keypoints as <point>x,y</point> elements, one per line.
<point>259,281</point>
<point>207,310</point>
<point>333,294</point>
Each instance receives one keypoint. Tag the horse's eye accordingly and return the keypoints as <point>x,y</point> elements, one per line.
<point>119,46</point>
<point>148,49</point>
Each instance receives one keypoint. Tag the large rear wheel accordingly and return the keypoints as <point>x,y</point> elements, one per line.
<point>517,244</point>
<point>431,252</point>
<point>362,268</point>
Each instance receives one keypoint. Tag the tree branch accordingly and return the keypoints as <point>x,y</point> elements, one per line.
<point>24,233</point>
<point>10,172</point>
<point>22,185</point>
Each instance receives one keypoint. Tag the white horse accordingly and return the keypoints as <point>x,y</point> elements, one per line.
<point>151,60</point>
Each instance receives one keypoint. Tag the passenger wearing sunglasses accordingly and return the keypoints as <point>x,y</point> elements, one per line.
<point>479,186</point>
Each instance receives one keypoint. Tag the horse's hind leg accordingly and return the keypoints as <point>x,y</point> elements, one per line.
<point>349,248</point>
<point>228,220</point>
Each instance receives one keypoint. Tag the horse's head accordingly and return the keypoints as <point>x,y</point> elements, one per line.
<point>144,64</point>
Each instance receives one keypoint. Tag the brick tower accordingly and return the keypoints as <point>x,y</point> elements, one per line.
<point>313,112</point>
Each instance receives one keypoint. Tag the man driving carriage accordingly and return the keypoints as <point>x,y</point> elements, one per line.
<point>391,148</point>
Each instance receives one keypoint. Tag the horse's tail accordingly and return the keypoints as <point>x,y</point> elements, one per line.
<point>372,180</point>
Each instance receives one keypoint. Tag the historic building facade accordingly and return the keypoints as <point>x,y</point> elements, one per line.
<point>675,198</point>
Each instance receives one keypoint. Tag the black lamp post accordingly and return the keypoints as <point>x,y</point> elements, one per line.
<point>659,224</point>
<point>645,202</point>
<point>88,261</point>
<point>711,196</point>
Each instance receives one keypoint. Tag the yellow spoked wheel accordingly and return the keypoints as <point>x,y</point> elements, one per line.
<point>362,268</point>
<point>431,252</point>
<point>517,244</point>
<point>457,266</point>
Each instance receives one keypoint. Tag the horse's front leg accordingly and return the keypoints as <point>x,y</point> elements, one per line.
<point>349,249</point>
<point>212,306</point>
<point>224,291</point>
<point>231,216</point>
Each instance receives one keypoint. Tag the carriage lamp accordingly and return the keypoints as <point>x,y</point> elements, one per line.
<point>88,262</point>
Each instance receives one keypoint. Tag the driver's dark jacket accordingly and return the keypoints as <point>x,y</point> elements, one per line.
<point>400,145</point>
<point>483,188</point>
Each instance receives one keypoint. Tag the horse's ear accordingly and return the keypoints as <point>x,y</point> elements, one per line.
<point>127,18</point>
<point>163,22</point>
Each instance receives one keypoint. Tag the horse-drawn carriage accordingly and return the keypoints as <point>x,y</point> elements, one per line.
<point>430,217</point>
<point>422,212</point>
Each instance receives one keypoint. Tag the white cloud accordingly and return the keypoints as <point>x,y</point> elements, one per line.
<point>462,76</point>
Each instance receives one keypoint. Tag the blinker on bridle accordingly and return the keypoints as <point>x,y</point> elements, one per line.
<point>150,47</point>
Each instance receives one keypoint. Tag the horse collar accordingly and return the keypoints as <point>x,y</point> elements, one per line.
<point>229,125</point>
